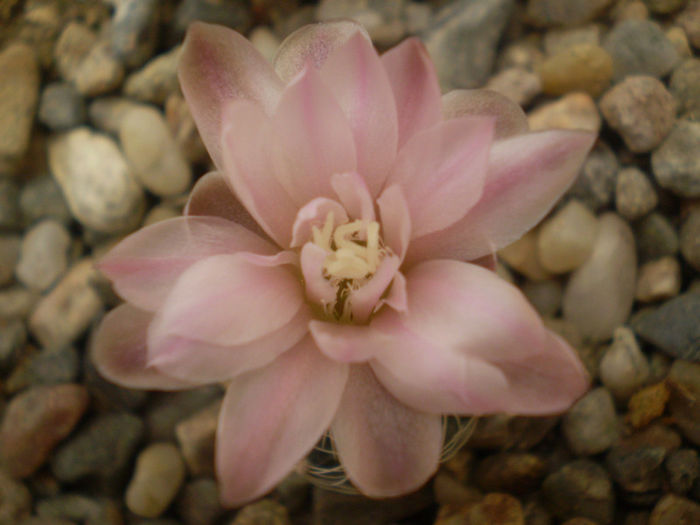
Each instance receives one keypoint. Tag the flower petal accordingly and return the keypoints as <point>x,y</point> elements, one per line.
<point>314,213</point>
<point>318,289</point>
<point>251,158</point>
<point>316,138</point>
<point>357,79</point>
<point>456,154</point>
<point>365,300</point>
<point>527,175</point>
<point>312,43</point>
<point>218,65</point>
<point>510,118</point>
<point>386,448</point>
<point>470,343</point>
<point>229,300</point>
<point>146,264</point>
<point>354,195</point>
<point>396,220</point>
<point>415,86</point>
<point>272,417</point>
<point>118,350</point>
<point>345,343</point>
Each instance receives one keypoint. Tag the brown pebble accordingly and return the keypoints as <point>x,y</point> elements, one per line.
<point>647,404</point>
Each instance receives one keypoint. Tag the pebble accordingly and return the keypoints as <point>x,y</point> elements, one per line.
<point>545,296</point>
<point>134,30</point>
<point>16,302</point>
<point>61,107</point>
<point>19,92</point>
<point>497,509</point>
<point>265,41</point>
<point>10,216</point>
<point>684,383</point>
<point>263,512</point>
<point>638,470</point>
<point>196,435</point>
<point>674,510</point>
<point>664,7</point>
<point>198,503</point>
<point>107,113</point>
<point>557,40</point>
<point>599,294</point>
<point>157,478</point>
<point>466,33</point>
<point>101,191</point>
<point>564,12</point>
<point>572,111</point>
<point>513,472</point>
<point>35,421</point>
<point>15,500</point>
<point>640,47</point>
<point>159,213</point>
<point>596,182</point>
<point>50,366</point>
<point>522,257</point>
<point>156,80</point>
<point>9,255</point>
<point>383,20</point>
<point>109,396</point>
<point>235,14</point>
<point>180,120</point>
<point>62,315</point>
<point>591,426</point>
<point>581,488</point>
<point>582,67</point>
<point>641,110</point>
<point>102,448</point>
<point>690,239</point>
<point>656,237</point>
<point>294,492</point>
<point>152,152</point>
<point>566,239</point>
<point>682,469</point>
<point>42,198</point>
<point>624,368</point>
<point>13,337</point>
<point>676,162</point>
<point>685,87</point>
<point>689,20</point>
<point>635,195</point>
<point>647,404</point>
<point>658,280</point>
<point>169,408</point>
<point>72,47</point>
<point>678,38</point>
<point>523,54</point>
<point>674,327</point>
<point>44,255</point>
<point>518,84</point>
<point>83,509</point>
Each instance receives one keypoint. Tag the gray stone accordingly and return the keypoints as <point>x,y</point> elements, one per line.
<point>545,296</point>
<point>685,87</point>
<point>156,80</point>
<point>640,47</point>
<point>96,180</point>
<point>103,448</point>
<point>656,237</point>
<point>157,477</point>
<point>624,368</point>
<point>134,31</point>
<point>42,198</point>
<point>690,239</point>
<point>635,196</point>
<point>9,255</point>
<point>463,38</point>
<point>13,337</point>
<point>684,382</point>
<point>564,12</point>
<point>49,366</point>
<point>83,509</point>
<point>10,216</point>
<point>15,500</point>
<point>107,113</point>
<point>382,20</point>
<point>637,469</point>
<point>231,13</point>
<point>595,184</point>
<point>61,107</point>
<point>682,469</point>
<point>199,502</point>
<point>591,426</point>
<point>674,327</point>
<point>44,255</point>
<point>109,396</point>
<point>599,295</point>
<point>676,162</point>
<point>641,110</point>
<point>169,408</point>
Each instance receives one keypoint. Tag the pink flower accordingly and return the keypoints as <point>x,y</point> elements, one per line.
<point>330,291</point>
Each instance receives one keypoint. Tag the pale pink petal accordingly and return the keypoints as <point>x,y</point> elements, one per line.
<point>218,65</point>
<point>345,343</point>
<point>272,417</point>
<point>203,362</point>
<point>386,448</point>
<point>354,195</point>
<point>415,86</point>
<point>357,79</point>
<point>229,300</point>
<point>488,261</point>
<point>396,298</point>
<point>365,300</point>
<point>510,117</point>
<point>470,343</point>
<point>316,138</point>
<point>312,43</point>
<point>396,220</point>
<point>314,213</point>
<point>145,265</point>
<point>252,157</point>
<point>118,350</point>
<point>318,290</point>
<point>442,170</point>
<point>527,175</point>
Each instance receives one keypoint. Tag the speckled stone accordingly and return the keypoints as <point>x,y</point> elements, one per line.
<point>591,426</point>
<point>82,509</point>
<point>635,196</point>
<point>42,198</point>
<point>572,111</point>
<point>518,84</point>
<point>658,280</point>
<point>647,404</point>
<point>623,368</point>
<point>156,80</point>
<point>44,255</point>
<point>684,382</point>
<point>196,435</point>
<point>682,469</point>
<point>15,500</point>
<point>564,12</point>
<point>685,87</point>
<point>596,182</point>
<point>566,239</point>
<point>656,237</point>
<point>636,467</point>
<point>674,510</point>
<point>134,30</point>
<point>582,67</point>
<point>676,162</point>
<point>689,20</point>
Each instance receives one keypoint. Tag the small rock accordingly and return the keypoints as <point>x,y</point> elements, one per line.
<point>566,239</point>
<point>265,41</point>
<point>50,366</point>
<point>107,113</point>
<point>631,10</point>
<point>519,85</point>
<point>199,504</point>
<point>676,163</point>
<point>572,111</point>
<point>636,466</point>
<point>566,12</point>
<point>9,210</point>
<point>678,38</point>
<point>71,48</point>
<point>418,17</point>
<point>674,510</point>
<point>235,14</point>
<point>62,315</point>
<point>545,296</point>
<point>522,257</point>
<point>44,255</point>
<point>582,67</point>
<point>294,491</point>
<point>641,110</point>
<point>674,327</point>
<point>599,295</point>
<point>35,421</point>
<point>159,213</point>
<point>634,194</point>
<point>640,47</point>
<point>158,475</point>
<point>580,488</point>
<point>134,31</point>
<point>647,404</point>
<point>466,32</point>
<point>690,239</point>
<point>523,54</point>
<point>595,184</point>
<point>100,189</point>
<point>106,395</point>
<point>682,469</point>
<point>685,87</point>
<point>591,426</point>
<point>156,80</point>
<point>169,408</point>
<point>13,337</point>
<point>664,7</point>
<point>684,382</point>
<point>513,472</point>
<point>180,120</point>
<point>660,279</point>
<point>82,509</point>
<point>15,500</point>
<point>152,152</point>
<point>656,237</point>
<point>61,107</point>
<point>42,198</point>
<point>10,246</point>
<point>19,92</point>
<point>99,72</point>
<point>689,20</point>
<point>497,509</point>
<point>623,368</point>
<point>557,40</point>
<point>16,302</point>
<point>263,512</point>
<point>196,435</point>
<point>103,448</point>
